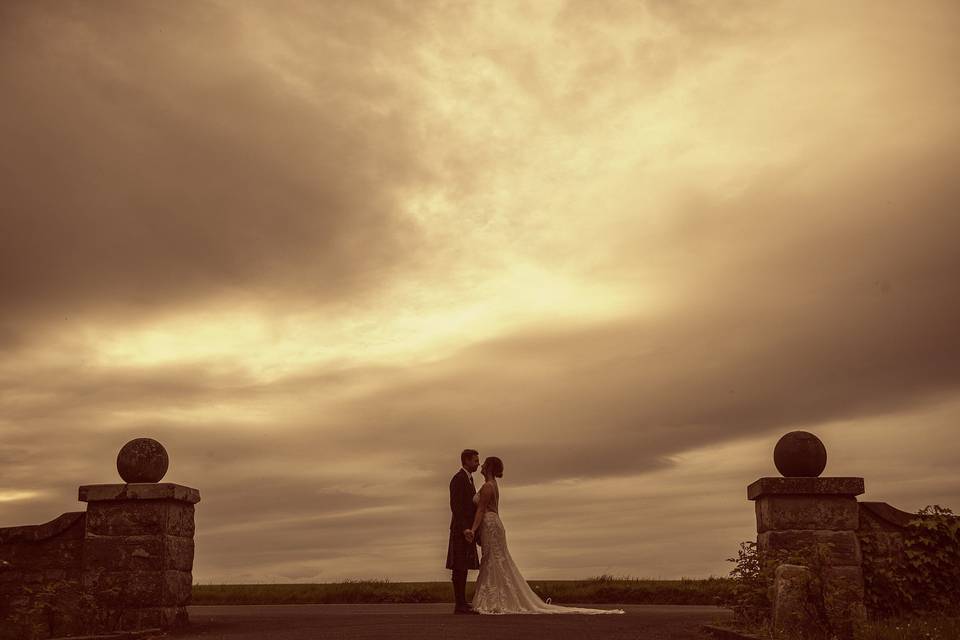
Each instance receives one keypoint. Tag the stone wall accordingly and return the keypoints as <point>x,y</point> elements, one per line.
<point>124,564</point>
<point>835,554</point>
<point>138,554</point>
<point>882,530</point>
<point>881,533</point>
<point>815,519</point>
<point>40,577</point>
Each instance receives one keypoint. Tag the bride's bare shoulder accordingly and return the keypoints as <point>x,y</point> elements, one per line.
<point>488,487</point>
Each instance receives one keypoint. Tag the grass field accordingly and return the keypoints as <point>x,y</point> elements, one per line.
<point>599,590</point>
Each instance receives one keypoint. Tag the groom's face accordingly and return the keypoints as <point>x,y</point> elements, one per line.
<point>472,464</point>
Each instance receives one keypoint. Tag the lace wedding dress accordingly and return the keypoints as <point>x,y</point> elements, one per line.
<point>500,586</point>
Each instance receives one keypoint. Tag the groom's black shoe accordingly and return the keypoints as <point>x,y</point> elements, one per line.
<point>465,608</point>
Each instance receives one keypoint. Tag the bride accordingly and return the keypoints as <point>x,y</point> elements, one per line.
<point>500,587</point>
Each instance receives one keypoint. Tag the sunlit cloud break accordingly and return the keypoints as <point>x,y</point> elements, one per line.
<point>317,251</point>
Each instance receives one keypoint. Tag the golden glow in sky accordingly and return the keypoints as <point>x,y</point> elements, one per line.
<point>624,246</point>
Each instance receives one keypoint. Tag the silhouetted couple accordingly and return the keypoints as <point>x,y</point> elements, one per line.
<point>476,519</point>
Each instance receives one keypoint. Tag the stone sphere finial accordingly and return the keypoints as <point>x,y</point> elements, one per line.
<point>142,460</point>
<point>800,453</point>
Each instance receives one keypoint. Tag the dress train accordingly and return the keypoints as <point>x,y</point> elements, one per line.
<point>500,586</point>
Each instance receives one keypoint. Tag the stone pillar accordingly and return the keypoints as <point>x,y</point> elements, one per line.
<point>793,600</point>
<point>138,545</point>
<point>815,518</point>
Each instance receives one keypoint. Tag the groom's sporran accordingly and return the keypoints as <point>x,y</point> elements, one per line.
<point>462,553</point>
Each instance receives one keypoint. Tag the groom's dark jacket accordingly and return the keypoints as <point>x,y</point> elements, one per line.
<point>460,553</point>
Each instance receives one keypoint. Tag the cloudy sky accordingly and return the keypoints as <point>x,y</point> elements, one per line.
<point>316,249</point>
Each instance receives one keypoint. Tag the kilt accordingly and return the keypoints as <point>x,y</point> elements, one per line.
<point>460,553</point>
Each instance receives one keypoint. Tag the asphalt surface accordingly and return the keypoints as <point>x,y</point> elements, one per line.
<point>436,622</point>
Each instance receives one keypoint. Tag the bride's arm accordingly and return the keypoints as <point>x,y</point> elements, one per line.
<point>485,492</point>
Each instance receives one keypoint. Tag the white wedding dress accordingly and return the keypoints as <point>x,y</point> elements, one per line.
<point>500,587</point>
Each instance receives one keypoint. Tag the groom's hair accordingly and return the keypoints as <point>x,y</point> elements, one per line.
<point>466,454</point>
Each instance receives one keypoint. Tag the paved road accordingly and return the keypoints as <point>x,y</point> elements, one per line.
<point>436,622</point>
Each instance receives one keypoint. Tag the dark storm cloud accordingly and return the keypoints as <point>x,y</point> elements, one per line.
<point>107,389</point>
<point>792,266</point>
<point>836,304</point>
<point>153,157</point>
<point>831,305</point>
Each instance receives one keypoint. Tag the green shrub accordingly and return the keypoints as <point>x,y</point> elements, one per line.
<point>932,549</point>
<point>752,597</point>
<point>926,578</point>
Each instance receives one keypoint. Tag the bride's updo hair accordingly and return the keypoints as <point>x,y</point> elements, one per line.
<point>494,465</point>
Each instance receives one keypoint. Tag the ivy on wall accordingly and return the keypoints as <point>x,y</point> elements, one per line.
<point>926,578</point>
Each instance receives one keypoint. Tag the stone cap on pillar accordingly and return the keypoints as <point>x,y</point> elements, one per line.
<point>138,491</point>
<point>841,486</point>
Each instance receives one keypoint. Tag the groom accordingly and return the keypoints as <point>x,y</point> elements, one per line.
<point>462,550</point>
